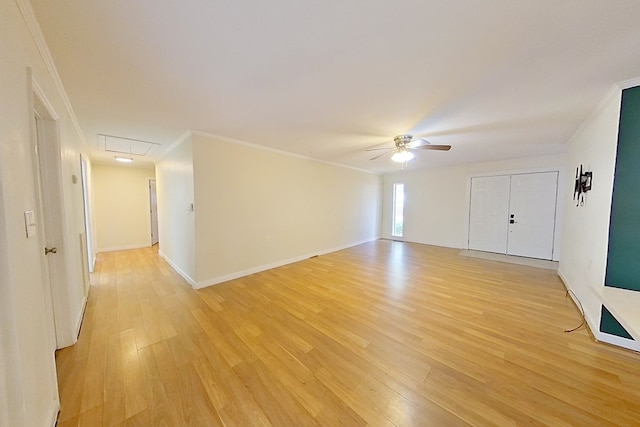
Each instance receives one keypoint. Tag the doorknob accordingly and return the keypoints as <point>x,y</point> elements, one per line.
<point>48,251</point>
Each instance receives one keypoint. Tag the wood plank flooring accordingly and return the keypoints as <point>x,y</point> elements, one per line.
<point>382,334</point>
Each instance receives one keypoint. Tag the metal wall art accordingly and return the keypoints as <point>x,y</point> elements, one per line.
<point>582,185</point>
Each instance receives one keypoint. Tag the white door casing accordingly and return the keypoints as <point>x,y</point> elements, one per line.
<point>50,219</point>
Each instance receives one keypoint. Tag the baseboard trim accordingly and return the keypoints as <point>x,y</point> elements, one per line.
<point>55,413</point>
<point>594,326</point>
<point>177,269</point>
<point>591,323</point>
<point>122,248</point>
<point>81,317</point>
<point>258,269</point>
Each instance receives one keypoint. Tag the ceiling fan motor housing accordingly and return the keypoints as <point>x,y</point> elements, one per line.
<point>402,140</point>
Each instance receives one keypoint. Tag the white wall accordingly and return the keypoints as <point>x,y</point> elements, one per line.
<point>28,389</point>
<point>176,220</point>
<point>121,200</point>
<point>435,206</point>
<point>437,200</point>
<point>9,351</point>
<point>257,208</point>
<point>586,234</point>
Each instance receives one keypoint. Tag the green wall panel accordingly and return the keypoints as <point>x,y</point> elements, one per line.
<point>623,257</point>
<point>609,325</point>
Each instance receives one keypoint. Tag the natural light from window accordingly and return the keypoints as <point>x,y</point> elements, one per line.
<point>398,210</point>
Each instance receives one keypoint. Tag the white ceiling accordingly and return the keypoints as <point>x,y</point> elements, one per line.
<point>495,79</point>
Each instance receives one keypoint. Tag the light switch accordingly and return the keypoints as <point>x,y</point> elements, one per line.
<point>30,223</point>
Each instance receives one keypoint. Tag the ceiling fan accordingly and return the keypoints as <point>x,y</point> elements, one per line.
<point>404,145</point>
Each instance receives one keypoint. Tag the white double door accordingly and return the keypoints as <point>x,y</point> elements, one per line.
<point>514,214</point>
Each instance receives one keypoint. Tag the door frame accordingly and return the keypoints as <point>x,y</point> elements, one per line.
<point>88,218</point>
<point>153,211</point>
<point>50,221</point>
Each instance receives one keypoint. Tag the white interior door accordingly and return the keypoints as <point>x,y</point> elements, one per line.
<point>489,212</point>
<point>532,214</point>
<point>43,225</point>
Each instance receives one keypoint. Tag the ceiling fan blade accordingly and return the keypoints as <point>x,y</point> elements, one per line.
<point>416,143</point>
<point>435,147</point>
<point>376,149</point>
<point>380,155</point>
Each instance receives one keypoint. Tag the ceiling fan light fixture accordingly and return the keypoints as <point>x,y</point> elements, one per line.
<point>402,156</point>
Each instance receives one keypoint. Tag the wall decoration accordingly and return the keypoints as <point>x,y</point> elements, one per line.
<point>582,185</point>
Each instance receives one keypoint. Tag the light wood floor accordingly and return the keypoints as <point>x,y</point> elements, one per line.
<point>385,333</point>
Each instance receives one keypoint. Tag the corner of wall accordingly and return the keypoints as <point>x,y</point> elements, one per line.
<point>592,322</point>
<point>178,270</point>
<point>258,269</point>
<point>586,228</point>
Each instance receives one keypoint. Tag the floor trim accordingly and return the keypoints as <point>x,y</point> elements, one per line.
<point>531,262</point>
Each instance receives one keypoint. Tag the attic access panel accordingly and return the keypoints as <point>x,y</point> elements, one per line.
<point>120,145</point>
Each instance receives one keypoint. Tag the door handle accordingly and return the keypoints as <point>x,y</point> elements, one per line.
<point>48,251</point>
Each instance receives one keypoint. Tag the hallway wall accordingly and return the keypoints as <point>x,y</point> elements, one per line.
<point>176,222</point>
<point>258,208</point>
<point>28,388</point>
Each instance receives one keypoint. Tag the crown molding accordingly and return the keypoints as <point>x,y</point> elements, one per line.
<point>277,151</point>
<point>626,84</point>
<point>609,97</point>
<point>36,33</point>
<point>165,150</point>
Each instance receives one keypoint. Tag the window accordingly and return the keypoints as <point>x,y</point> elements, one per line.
<point>398,210</point>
